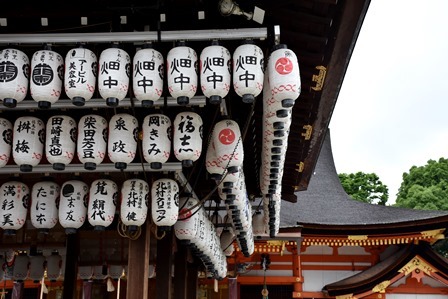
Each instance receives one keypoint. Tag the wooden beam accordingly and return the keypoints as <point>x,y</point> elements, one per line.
<point>71,269</point>
<point>180,272</point>
<point>138,264</point>
<point>164,266</point>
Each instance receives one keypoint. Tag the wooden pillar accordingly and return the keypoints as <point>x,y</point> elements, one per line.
<point>87,289</point>
<point>192,279</point>
<point>233,288</point>
<point>164,266</point>
<point>71,269</point>
<point>138,264</point>
<point>180,273</point>
<point>297,271</point>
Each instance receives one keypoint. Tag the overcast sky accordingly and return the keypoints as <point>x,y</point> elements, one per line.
<point>392,112</point>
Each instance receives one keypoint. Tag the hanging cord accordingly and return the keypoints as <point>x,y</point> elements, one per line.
<point>122,230</point>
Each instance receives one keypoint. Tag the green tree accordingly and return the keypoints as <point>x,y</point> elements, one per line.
<point>425,187</point>
<point>365,187</point>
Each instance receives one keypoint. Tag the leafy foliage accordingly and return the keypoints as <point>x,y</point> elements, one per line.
<point>365,187</point>
<point>425,187</point>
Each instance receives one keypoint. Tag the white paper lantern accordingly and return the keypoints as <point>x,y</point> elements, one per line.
<point>99,273</point>
<point>73,205</point>
<point>248,64</point>
<point>44,205</point>
<point>81,68</point>
<point>156,141</point>
<point>53,266</point>
<point>258,224</point>
<point>14,198</point>
<point>28,142</point>
<point>85,272</point>
<point>212,164</point>
<point>92,140</point>
<point>115,271</point>
<point>113,77</point>
<point>164,202</point>
<point>215,72</point>
<point>14,76</point>
<point>47,73</point>
<point>5,141</point>
<point>227,238</point>
<point>103,197</point>
<point>217,219</point>
<point>60,143</point>
<point>20,272</point>
<point>228,144</point>
<point>187,137</point>
<point>284,76</point>
<point>134,202</point>
<point>148,73</point>
<point>122,141</point>
<point>187,226</point>
<point>37,268</point>
<point>182,74</point>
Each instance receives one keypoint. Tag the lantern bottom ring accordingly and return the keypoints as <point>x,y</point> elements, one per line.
<point>90,166</point>
<point>121,165</point>
<point>44,105</point>
<point>248,98</point>
<point>147,103</point>
<point>187,163</point>
<point>183,100</point>
<point>78,101</point>
<point>58,166</point>
<point>215,100</point>
<point>10,102</point>
<point>155,165</point>
<point>26,168</point>
<point>288,103</point>
<point>112,102</point>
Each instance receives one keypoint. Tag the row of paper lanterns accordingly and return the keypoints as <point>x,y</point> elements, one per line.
<point>218,73</point>
<point>75,202</point>
<point>93,137</point>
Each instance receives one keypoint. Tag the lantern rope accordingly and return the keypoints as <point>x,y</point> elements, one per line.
<point>122,230</point>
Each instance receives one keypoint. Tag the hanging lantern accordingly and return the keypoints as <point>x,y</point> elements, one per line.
<point>5,141</point>
<point>115,271</point>
<point>156,141</point>
<point>284,76</point>
<point>187,226</point>
<point>103,198</point>
<point>14,76</point>
<point>92,140</point>
<point>85,272</point>
<point>45,204</point>
<point>60,143</point>
<point>37,268</point>
<point>148,75</point>
<point>73,205</point>
<point>228,145</point>
<point>248,73</point>
<point>217,220</point>
<point>212,163</point>
<point>164,202</point>
<point>258,224</point>
<point>47,73</point>
<point>81,68</point>
<point>187,139</point>
<point>100,272</point>
<point>215,72</point>
<point>14,197</point>
<point>134,203</point>
<point>114,73</point>
<point>28,141</point>
<point>182,73</point>
<point>20,272</point>
<point>53,266</point>
<point>227,238</point>
<point>122,141</point>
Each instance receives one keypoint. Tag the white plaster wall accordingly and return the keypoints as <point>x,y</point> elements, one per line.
<point>352,250</point>
<point>314,281</point>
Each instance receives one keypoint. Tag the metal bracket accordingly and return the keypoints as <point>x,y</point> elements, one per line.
<point>320,78</point>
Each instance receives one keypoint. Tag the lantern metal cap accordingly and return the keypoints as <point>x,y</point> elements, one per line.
<point>26,168</point>
<point>132,228</point>
<point>232,169</point>
<point>187,163</point>
<point>90,166</point>
<point>121,165</point>
<point>183,100</point>
<point>215,99</point>
<point>10,102</point>
<point>58,166</point>
<point>70,231</point>
<point>44,105</point>
<point>155,165</point>
<point>279,46</point>
<point>228,184</point>
<point>78,101</point>
<point>248,98</point>
<point>216,177</point>
<point>277,142</point>
<point>147,103</point>
<point>276,150</point>
<point>44,231</point>
<point>112,102</point>
<point>9,232</point>
<point>279,133</point>
<point>279,125</point>
<point>99,228</point>
<point>282,113</point>
<point>288,103</point>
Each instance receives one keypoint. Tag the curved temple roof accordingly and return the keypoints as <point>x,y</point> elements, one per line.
<point>325,205</point>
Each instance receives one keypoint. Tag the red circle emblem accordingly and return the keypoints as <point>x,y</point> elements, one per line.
<point>283,66</point>
<point>226,136</point>
<point>184,214</point>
